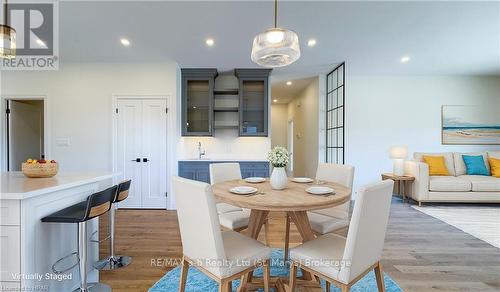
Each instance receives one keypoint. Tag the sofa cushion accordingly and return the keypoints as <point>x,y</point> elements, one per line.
<point>449,184</point>
<point>448,159</point>
<point>481,183</point>
<point>494,154</point>
<point>460,168</point>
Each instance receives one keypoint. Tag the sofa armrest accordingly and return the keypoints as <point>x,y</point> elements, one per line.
<point>420,187</point>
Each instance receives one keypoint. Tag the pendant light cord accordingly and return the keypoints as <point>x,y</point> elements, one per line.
<point>275,13</point>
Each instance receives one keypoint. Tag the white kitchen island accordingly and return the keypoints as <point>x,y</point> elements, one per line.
<point>28,247</point>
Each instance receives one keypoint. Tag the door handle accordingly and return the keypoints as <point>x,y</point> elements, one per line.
<point>145,160</point>
<point>136,160</point>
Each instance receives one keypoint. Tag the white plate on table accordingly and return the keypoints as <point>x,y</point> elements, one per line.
<point>317,190</point>
<point>255,180</point>
<point>243,190</point>
<point>302,180</point>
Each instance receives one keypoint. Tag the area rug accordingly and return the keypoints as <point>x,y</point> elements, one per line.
<point>198,282</point>
<point>482,222</point>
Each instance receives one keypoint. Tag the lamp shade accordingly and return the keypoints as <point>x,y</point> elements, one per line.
<point>398,152</point>
<point>7,42</point>
<point>276,47</point>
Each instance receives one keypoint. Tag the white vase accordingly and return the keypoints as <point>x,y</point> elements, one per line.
<point>279,180</point>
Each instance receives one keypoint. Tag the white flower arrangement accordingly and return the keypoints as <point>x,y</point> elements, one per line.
<point>279,156</point>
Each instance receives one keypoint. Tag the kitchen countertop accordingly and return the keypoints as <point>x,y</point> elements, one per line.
<point>15,186</point>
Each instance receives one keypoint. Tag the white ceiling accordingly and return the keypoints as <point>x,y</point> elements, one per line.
<point>441,37</point>
<point>285,93</point>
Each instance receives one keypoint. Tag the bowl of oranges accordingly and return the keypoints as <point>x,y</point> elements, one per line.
<point>39,168</point>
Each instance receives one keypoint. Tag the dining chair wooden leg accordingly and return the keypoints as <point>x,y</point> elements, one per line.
<point>293,277</point>
<point>267,276</point>
<point>243,283</point>
<point>379,275</point>
<point>183,278</point>
<point>287,236</point>
<point>225,286</point>
<point>327,285</point>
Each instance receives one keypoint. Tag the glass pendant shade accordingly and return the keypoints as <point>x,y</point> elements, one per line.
<point>276,47</point>
<point>7,42</point>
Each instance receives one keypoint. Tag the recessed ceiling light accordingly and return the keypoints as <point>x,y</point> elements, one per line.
<point>275,100</point>
<point>289,83</point>
<point>210,42</point>
<point>125,42</point>
<point>311,42</point>
<point>405,59</point>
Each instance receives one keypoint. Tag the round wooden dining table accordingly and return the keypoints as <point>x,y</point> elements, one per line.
<point>293,200</point>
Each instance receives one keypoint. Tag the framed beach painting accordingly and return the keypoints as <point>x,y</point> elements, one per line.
<point>470,125</point>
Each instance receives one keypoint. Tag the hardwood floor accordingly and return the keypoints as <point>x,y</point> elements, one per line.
<point>421,253</point>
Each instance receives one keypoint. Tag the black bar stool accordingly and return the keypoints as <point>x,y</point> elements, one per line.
<point>96,205</point>
<point>114,262</point>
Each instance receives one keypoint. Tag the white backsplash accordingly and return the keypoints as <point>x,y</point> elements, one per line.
<point>225,145</point>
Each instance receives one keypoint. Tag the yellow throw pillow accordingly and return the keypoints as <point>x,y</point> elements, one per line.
<point>494,166</point>
<point>437,166</point>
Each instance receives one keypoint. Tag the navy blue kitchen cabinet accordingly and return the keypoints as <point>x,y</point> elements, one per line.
<point>200,170</point>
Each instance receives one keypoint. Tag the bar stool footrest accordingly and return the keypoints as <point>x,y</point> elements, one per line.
<point>57,272</point>
<point>95,240</point>
<point>113,263</point>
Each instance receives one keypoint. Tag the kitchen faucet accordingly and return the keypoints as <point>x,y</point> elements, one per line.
<point>200,152</point>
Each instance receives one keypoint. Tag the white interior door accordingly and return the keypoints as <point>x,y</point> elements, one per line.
<point>128,146</point>
<point>25,133</point>
<point>142,151</point>
<point>154,154</point>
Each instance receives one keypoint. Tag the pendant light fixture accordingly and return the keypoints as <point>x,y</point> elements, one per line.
<point>276,47</point>
<point>7,37</point>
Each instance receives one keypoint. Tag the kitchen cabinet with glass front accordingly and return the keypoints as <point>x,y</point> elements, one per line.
<point>197,101</point>
<point>254,101</point>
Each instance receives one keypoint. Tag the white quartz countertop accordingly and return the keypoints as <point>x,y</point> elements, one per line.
<point>15,186</point>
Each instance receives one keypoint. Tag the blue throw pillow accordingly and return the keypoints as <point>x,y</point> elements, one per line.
<point>475,165</point>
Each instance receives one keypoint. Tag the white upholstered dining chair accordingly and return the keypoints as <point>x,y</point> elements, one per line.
<point>222,255</point>
<point>231,217</point>
<point>331,219</point>
<point>344,261</point>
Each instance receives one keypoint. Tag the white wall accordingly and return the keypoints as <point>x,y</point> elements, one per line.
<point>304,111</point>
<point>386,111</point>
<point>80,108</point>
<point>225,145</point>
<point>279,124</point>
